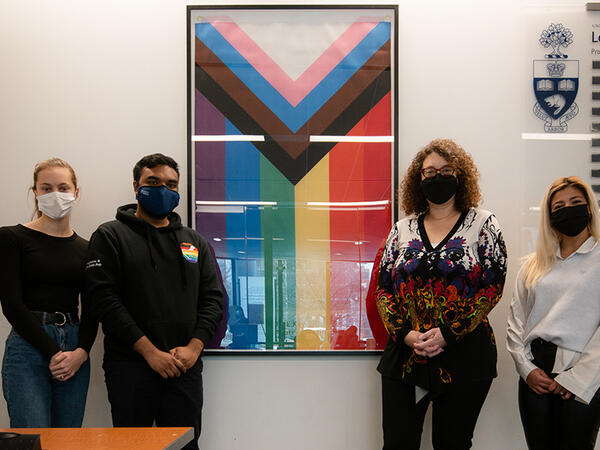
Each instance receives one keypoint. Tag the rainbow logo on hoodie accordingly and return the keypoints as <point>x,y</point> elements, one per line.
<point>189,252</point>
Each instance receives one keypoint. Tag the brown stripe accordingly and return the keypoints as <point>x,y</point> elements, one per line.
<point>293,143</point>
<point>344,97</point>
<point>219,72</point>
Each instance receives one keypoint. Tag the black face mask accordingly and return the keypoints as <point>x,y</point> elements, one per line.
<point>570,220</point>
<point>439,189</point>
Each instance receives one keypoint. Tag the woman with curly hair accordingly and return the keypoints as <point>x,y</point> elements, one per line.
<point>554,323</point>
<point>442,271</point>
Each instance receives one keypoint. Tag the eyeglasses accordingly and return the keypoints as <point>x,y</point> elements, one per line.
<point>430,172</point>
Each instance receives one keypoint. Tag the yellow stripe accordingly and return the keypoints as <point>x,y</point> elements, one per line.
<point>313,327</point>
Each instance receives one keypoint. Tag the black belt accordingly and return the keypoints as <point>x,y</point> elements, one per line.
<point>57,318</point>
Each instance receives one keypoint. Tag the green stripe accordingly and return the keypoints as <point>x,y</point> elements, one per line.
<point>279,253</point>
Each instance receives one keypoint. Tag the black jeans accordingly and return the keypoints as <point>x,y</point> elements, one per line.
<point>139,397</point>
<point>455,413</point>
<point>551,423</point>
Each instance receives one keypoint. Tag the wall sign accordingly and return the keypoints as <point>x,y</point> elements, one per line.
<point>555,80</point>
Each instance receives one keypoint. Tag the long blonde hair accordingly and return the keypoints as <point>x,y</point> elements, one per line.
<point>538,264</point>
<point>47,164</point>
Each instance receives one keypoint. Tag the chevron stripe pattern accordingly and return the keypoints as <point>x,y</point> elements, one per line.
<point>305,213</point>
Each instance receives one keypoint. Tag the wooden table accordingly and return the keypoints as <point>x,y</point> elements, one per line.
<point>110,438</point>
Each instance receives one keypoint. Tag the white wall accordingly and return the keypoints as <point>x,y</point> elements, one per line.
<point>101,83</point>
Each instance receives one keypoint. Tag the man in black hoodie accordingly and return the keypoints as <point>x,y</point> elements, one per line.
<point>153,284</point>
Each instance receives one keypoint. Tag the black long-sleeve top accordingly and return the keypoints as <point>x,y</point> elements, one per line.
<point>39,272</point>
<point>155,282</point>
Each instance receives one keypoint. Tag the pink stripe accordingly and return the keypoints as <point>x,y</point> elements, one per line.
<point>293,91</point>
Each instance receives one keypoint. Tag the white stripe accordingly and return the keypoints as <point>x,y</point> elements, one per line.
<point>259,138</point>
<point>220,209</point>
<point>339,240</point>
<point>245,239</point>
<point>362,208</point>
<point>228,138</point>
<point>560,136</point>
<point>372,203</point>
<point>352,139</point>
<point>234,203</point>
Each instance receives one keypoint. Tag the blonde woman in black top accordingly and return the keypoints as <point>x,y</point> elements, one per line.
<point>45,370</point>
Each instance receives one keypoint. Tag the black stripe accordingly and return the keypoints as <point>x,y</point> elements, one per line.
<point>293,170</point>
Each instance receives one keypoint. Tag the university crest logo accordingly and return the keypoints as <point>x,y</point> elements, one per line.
<point>555,81</point>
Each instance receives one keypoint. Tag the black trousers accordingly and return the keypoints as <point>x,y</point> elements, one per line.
<point>551,423</point>
<point>140,397</point>
<point>455,413</point>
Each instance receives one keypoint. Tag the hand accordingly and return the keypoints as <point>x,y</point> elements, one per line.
<point>165,364</point>
<point>557,389</point>
<point>538,381</point>
<point>63,365</point>
<point>432,343</point>
<point>411,339</point>
<point>421,345</point>
<point>188,355</point>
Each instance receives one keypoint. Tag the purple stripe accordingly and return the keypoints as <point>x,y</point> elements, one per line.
<point>210,171</point>
<point>210,185</point>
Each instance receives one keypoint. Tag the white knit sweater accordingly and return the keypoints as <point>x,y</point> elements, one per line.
<point>562,308</point>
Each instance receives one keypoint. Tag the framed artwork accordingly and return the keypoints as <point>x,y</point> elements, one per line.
<point>291,141</point>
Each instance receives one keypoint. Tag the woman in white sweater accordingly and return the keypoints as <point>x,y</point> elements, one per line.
<point>553,326</point>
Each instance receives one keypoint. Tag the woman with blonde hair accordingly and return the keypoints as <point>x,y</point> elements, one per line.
<point>442,271</point>
<point>45,371</point>
<point>553,325</point>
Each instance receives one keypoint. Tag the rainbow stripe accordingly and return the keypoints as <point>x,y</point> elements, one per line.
<point>314,260</point>
<point>190,252</point>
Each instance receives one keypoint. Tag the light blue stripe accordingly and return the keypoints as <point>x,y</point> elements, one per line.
<point>242,175</point>
<point>293,117</point>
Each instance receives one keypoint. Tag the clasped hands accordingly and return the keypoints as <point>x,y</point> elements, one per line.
<point>176,361</point>
<point>63,365</point>
<point>541,383</point>
<point>428,344</point>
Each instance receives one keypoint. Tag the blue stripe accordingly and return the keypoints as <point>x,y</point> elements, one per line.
<point>293,117</point>
<point>242,175</point>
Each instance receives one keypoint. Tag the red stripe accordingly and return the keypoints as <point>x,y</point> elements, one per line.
<point>357,173</point>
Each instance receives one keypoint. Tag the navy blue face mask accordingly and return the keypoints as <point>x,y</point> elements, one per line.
<point>157,200</point>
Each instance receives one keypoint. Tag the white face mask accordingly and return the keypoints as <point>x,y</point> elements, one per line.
<point>56,204</point>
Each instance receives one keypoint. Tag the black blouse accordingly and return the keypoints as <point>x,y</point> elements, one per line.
<point>39,272</point>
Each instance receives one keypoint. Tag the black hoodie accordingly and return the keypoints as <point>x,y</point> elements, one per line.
<point>154,282</point>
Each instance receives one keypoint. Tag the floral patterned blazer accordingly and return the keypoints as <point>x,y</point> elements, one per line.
<point>453,286</point>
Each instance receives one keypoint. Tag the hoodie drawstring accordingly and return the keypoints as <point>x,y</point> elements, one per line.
<point>149,244</point>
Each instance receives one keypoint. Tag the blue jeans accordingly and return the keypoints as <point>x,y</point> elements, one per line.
<point>33,397</point>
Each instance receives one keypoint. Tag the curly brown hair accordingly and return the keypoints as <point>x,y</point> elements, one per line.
<point>468,194</point>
